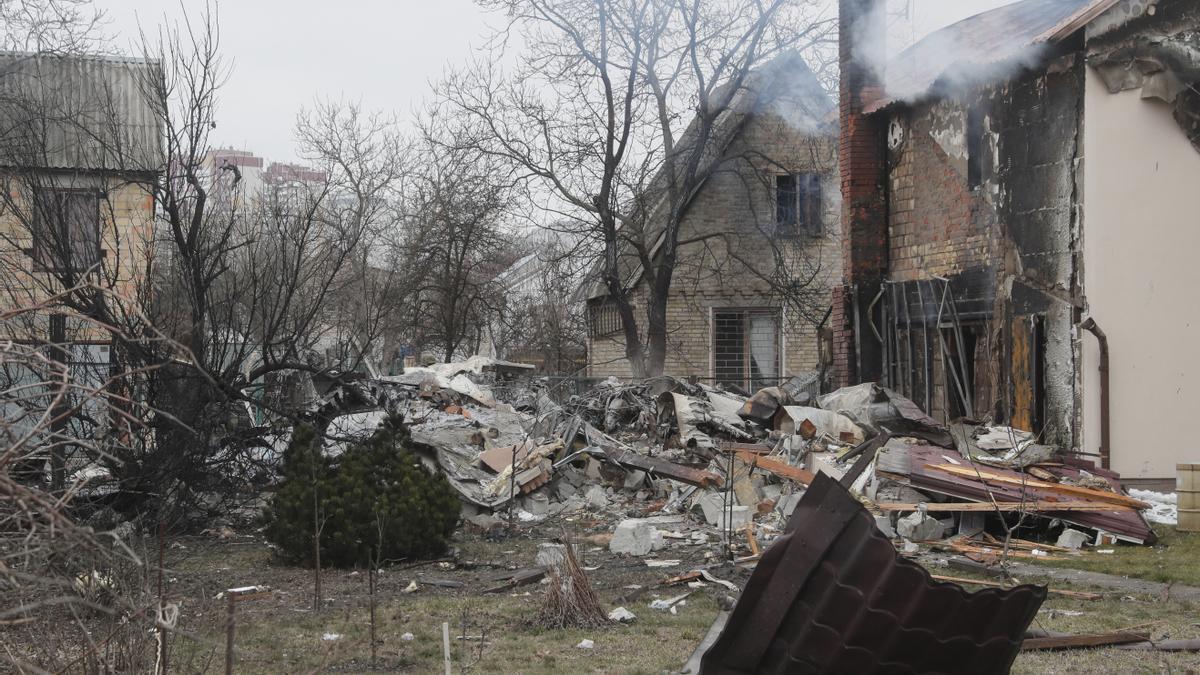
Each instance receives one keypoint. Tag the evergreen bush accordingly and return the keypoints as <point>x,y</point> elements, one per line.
<point>376,496</point>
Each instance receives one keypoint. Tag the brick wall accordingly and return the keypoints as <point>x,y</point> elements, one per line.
<point>731,269</point>
<point>126,222</point>
<point>940,227</point>
<point>861,33</point>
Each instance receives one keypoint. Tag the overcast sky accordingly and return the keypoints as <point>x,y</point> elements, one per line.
<point>382,54</point>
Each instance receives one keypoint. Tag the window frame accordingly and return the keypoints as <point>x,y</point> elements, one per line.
<point>807,207</point>
<point>45,254</point>
<point>747,377</point>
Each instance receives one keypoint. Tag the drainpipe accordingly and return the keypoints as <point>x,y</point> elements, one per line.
<point>1090,326</point>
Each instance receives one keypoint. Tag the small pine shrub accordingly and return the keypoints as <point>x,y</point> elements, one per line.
<point>376,496</point>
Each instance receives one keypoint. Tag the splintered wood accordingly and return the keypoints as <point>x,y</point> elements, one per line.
<point>1058,488</point>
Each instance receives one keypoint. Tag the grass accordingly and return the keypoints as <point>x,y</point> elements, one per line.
<point>271,641</point>
<point>1175,558</point>
<point>282,633</point>
<point>1172,619</point>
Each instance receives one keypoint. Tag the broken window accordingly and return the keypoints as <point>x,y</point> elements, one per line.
<point>66,230</point>
<point>746,347</point>
<point>974,147</point>
<point>798,204</point>
<point>603,319</point>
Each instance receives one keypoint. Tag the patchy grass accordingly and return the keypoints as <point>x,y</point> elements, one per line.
<point>1174,559</point>
<point>1172,619</point>
<point>282,633</point>
<point>499,637</point>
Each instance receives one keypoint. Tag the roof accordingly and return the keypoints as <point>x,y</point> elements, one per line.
<point>984,46</point>
<point>833,596</point>
<point>785,85</point>
<point>73,112</point>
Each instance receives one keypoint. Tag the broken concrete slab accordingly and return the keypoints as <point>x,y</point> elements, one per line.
<point>918,526</point>
<point>634,479</point>
<point>714,507</point>
<point>787,503</point>
<point>635,537</point>
<point>596,497</point>
<point>884,525</point>
<point>622,615</point>
<point>1073,539</point>
<point>485,521</point>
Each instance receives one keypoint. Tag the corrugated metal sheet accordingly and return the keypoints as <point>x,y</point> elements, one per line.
<point>973,46</point>
<point>87,113</point>
<point>1130,525</point>
<point>832,596</point>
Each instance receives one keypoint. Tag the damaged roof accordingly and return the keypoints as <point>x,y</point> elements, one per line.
<point>833,596</point>
<point>784,82</point>
<point>983,46</point>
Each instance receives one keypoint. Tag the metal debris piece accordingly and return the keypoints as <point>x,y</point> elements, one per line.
<point>832,596</point>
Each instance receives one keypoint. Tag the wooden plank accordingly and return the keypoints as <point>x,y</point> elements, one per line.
<point>658,467</point>
<point>1082,641</point>
<point>1058,488</point>
<point>778,467</point>
<point>518,578</point>
<point>996,584</point>
<point>1005,506</point>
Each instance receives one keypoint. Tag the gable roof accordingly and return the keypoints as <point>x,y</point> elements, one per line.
<point>785,80</point>
<point>982,44</point>
<point>78,112</point>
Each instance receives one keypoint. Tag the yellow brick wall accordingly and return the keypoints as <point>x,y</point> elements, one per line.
<point>126,226</point>
<point>737,203</point>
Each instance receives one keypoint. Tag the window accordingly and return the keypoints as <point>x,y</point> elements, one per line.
<point>746,347</point>
<point>66,230</point>
<point>603,319</point>
<point>798,204</point>
<point>974,147</point>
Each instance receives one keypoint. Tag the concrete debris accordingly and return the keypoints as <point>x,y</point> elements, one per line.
<point>884,525</point>
<point>550,555</point>
<point>1072,539</point>
<point>596,497</point>
<point>728,470</point>
<point>635,537</point>
<point>918,526</point>
<point>622,615</point>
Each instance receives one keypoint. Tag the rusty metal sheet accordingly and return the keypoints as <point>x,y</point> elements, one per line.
<point>833,596</point>
<point>1128,525</point>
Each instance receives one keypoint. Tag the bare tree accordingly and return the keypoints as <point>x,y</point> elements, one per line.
<point>541,320</point>
<point>594,118</point>
<point>455,206</point>
<point>253,282</point>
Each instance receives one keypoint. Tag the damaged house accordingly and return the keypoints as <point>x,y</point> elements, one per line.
<point>1020,211</point>
<point>758,245</point>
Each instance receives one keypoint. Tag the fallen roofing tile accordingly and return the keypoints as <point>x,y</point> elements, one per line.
<point>832,595</point>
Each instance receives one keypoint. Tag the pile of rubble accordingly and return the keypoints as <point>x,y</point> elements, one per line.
<point>667,448</point>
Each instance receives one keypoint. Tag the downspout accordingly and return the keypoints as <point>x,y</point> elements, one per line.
<point>1090,326</point>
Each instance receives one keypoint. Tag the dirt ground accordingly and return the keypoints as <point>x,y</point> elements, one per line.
<point>494,632</point>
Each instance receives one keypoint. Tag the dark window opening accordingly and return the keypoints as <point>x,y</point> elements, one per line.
<point>798,204</point>
<point>66,230</point>
<point>603,319</point>
<point>966,371</point>
<point>746,347</point>
<point>974,147</point>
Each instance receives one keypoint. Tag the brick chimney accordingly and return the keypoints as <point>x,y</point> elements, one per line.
<point>861,156</point>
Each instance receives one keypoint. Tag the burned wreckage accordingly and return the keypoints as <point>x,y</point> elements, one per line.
<point>810,490</point>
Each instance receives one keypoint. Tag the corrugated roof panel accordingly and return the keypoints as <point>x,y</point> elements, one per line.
<point>833,596</point>
<point>88,113</point>
<point>973,47</point>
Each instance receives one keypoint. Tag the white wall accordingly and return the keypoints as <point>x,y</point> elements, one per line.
<point>1141,259</point>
